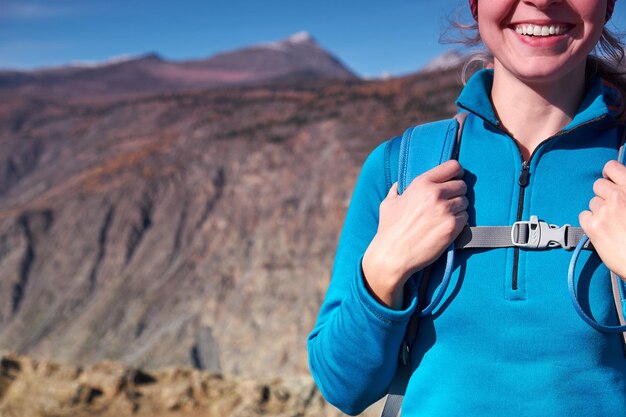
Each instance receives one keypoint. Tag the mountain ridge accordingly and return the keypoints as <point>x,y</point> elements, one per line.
<point>298,56</point>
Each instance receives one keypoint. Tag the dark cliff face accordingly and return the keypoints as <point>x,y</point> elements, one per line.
<point>194,228</point>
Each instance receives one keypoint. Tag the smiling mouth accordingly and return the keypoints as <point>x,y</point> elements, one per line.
<point>529,29</point>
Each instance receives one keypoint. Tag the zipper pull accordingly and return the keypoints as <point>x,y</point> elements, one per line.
<point>523,176</point>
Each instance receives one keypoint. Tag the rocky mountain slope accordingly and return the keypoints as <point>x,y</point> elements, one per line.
<point>186,233</point>
<point>193,229</point>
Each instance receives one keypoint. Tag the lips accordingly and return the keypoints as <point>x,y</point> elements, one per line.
<point>529,29</point>
<point>541,28</point>
<point>559,38</point>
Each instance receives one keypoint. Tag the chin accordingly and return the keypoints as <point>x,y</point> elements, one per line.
<point>542,71</point>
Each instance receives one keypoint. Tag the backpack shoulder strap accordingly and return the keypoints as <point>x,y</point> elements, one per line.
<point>419,155</point>
<point>418,150</point>
<point>618,285</point>
<point>425,146</point>
<point>392,156</point>
<point>619,296</point>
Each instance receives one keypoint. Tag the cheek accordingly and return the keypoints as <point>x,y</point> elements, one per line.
<point>491,36</point>
<point>593,33</point>
<point>591,10</point>
<point>493,11</point>
<point>491,14</point>
<point>593,13</point>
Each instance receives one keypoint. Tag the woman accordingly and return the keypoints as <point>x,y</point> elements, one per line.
<point>541,138</point>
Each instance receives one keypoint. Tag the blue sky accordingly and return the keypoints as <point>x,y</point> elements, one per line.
<point>371,37</point>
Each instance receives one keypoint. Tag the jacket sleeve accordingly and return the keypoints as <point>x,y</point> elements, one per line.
<point>354,345</point>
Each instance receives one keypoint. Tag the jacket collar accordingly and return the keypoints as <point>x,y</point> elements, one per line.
<point>601,99</point>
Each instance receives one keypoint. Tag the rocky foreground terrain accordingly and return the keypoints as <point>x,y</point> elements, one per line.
<point>33,388</point>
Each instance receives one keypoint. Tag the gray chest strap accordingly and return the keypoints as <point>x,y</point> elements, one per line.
<point>531,234</point>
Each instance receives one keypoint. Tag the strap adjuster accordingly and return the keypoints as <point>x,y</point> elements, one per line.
<point>540,235</point>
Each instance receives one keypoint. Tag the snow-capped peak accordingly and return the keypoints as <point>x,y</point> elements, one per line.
<point>297,38</point>
<point>302,36</point>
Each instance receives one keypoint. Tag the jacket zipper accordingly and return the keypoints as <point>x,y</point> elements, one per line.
<point>523,181</point>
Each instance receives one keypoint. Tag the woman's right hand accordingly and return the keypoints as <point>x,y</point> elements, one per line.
<point>414,229</point>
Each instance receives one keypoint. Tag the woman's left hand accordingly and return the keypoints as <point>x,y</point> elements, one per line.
<point>605,221</point>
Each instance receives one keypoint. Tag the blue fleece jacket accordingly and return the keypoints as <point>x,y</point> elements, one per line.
<point>506,340</point>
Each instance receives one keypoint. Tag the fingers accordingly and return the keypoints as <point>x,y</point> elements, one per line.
<point>615,172</point>
<point>585,218</point>
<point>595,203</point>
<point>446,190</point>
<point>437,191</point>
<point>444,172</point>
<point>458,204</point>
<point>452,189</point>
<point>461,219</point>
<point>603,188</point>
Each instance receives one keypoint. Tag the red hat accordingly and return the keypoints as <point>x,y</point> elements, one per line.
<point>609,8</point>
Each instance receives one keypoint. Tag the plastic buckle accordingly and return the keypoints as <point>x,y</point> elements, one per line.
<point>541,235</point>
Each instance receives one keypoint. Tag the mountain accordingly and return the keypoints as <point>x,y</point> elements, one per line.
<point>295,58</point>
<point>298,56</point>
<point>195,228</point>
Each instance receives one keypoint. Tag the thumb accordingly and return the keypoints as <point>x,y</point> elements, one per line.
<point>445,171</point>
<point>393,191</point>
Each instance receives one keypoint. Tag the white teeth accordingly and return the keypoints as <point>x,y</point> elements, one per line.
<point>537,30</point>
